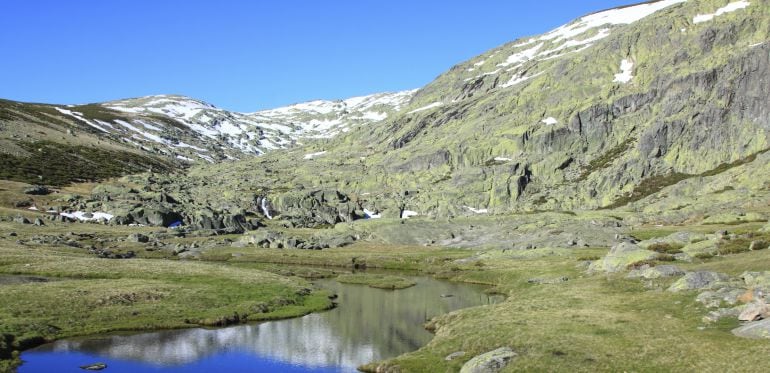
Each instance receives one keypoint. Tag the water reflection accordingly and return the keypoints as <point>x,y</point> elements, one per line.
<point>369,325</point>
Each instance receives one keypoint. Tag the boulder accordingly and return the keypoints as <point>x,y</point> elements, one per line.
<point>701,247</point>
<point>150,214</point>
<point>755,311</point>
<point>620,256</point>
<point>757,279</point>
<point>137,237</point>
<point>39,222</point>
<point>490,362</point>
<point>679,238</point>
<point>756,330</point>
<point>21,220</point>
<point>698,280</point>
<point>454,355</point>
<point>666,270</point>
<point>37,190</point>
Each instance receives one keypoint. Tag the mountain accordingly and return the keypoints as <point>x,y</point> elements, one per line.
<point>603,112</point>
<point>159,132</point>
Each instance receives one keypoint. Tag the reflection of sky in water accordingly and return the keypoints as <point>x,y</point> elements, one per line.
<point>369,325</point>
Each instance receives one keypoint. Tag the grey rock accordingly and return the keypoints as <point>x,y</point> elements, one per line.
<point>39,222</point>
<point>545,281</point>
<point>454,355</point>
<point>620,256</point>
<point>37,190</point>
<point>137,237</point>
<point>666,270</point>
<point>698,280</point>
<point>755,311</point>
<point>755,330</point>
<point>490,362</point>
<point>21,220</point>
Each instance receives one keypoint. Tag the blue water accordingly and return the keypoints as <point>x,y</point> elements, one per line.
<point>46,362</point>
<point>368,325</point>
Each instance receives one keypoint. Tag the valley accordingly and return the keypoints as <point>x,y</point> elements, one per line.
<point>607,182</point>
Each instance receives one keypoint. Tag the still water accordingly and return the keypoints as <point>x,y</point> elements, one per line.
<point>368,325</point>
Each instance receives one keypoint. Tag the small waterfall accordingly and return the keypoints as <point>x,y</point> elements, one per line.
<point>264,208</point>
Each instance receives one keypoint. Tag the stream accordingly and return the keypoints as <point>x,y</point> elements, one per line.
<point>368,325</point>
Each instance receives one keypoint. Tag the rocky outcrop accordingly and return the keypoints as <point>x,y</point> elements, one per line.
<point>698,280</point>
<point>490,362</point>
<point>620,257</point>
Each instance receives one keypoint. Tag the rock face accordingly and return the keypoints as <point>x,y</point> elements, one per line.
<point>490,362</point>
<point>698,280</point>
<point>620,256</point>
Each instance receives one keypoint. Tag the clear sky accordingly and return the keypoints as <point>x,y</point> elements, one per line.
<point>247,55</point>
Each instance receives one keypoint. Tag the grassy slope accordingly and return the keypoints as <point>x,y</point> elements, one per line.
<point>89,295</point>
<point>591,323</point>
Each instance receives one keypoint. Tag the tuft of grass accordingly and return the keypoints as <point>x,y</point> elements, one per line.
<point>665,248</point>
<point>377,281</point>
<point>605,159</point>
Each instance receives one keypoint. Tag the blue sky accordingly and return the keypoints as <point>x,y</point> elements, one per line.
<point>247,55</point>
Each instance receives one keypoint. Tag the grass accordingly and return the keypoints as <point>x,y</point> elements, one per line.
<point>665,248</point>
<point>377,281</point>
<point>87,295</point>
<point>61,164</point>
<point>604,160</point>
<point>588,324</point>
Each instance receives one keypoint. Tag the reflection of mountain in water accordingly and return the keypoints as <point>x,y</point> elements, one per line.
<point>370,324</point>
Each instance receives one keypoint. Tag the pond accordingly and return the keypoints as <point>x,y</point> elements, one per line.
<point>368,325</point>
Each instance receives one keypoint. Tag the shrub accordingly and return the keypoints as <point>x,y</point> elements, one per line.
<point>665,248</point>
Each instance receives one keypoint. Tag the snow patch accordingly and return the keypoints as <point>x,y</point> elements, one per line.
<point>313,155</point>
<point>550,121</point>
<point>618,16</point>
<point>477,211</point>
<point>79,116</point>
<point>406,214</point>
<point>426,107</point>
<point>626,68</point>
<point>502,159</point>
<point>80,215</point>
<point>371,215</point>
<point>184,158</point>
<point>700,18</point>
<point>516,79</point>
<point>522,56</point>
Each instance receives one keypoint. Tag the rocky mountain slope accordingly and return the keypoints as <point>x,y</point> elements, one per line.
<point>656,104</point>
<point>160,132</point>
<point>612,108</point>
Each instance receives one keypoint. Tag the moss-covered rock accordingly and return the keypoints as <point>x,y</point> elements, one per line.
<point>620,257</point>
<point>490,362</point>
<point>698,280</point>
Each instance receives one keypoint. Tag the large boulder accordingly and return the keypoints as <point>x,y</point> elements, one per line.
<point>698,280</point>
<point>648,273</point>
<point>756,330</point>
<point>620,256</point>
<point>37,190</point>
<point>490,362</point>
<point>675,239</point>
<point>706,247</point>
<point>155,216</point>
<point>755,311</point>
<point>757,280</point>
